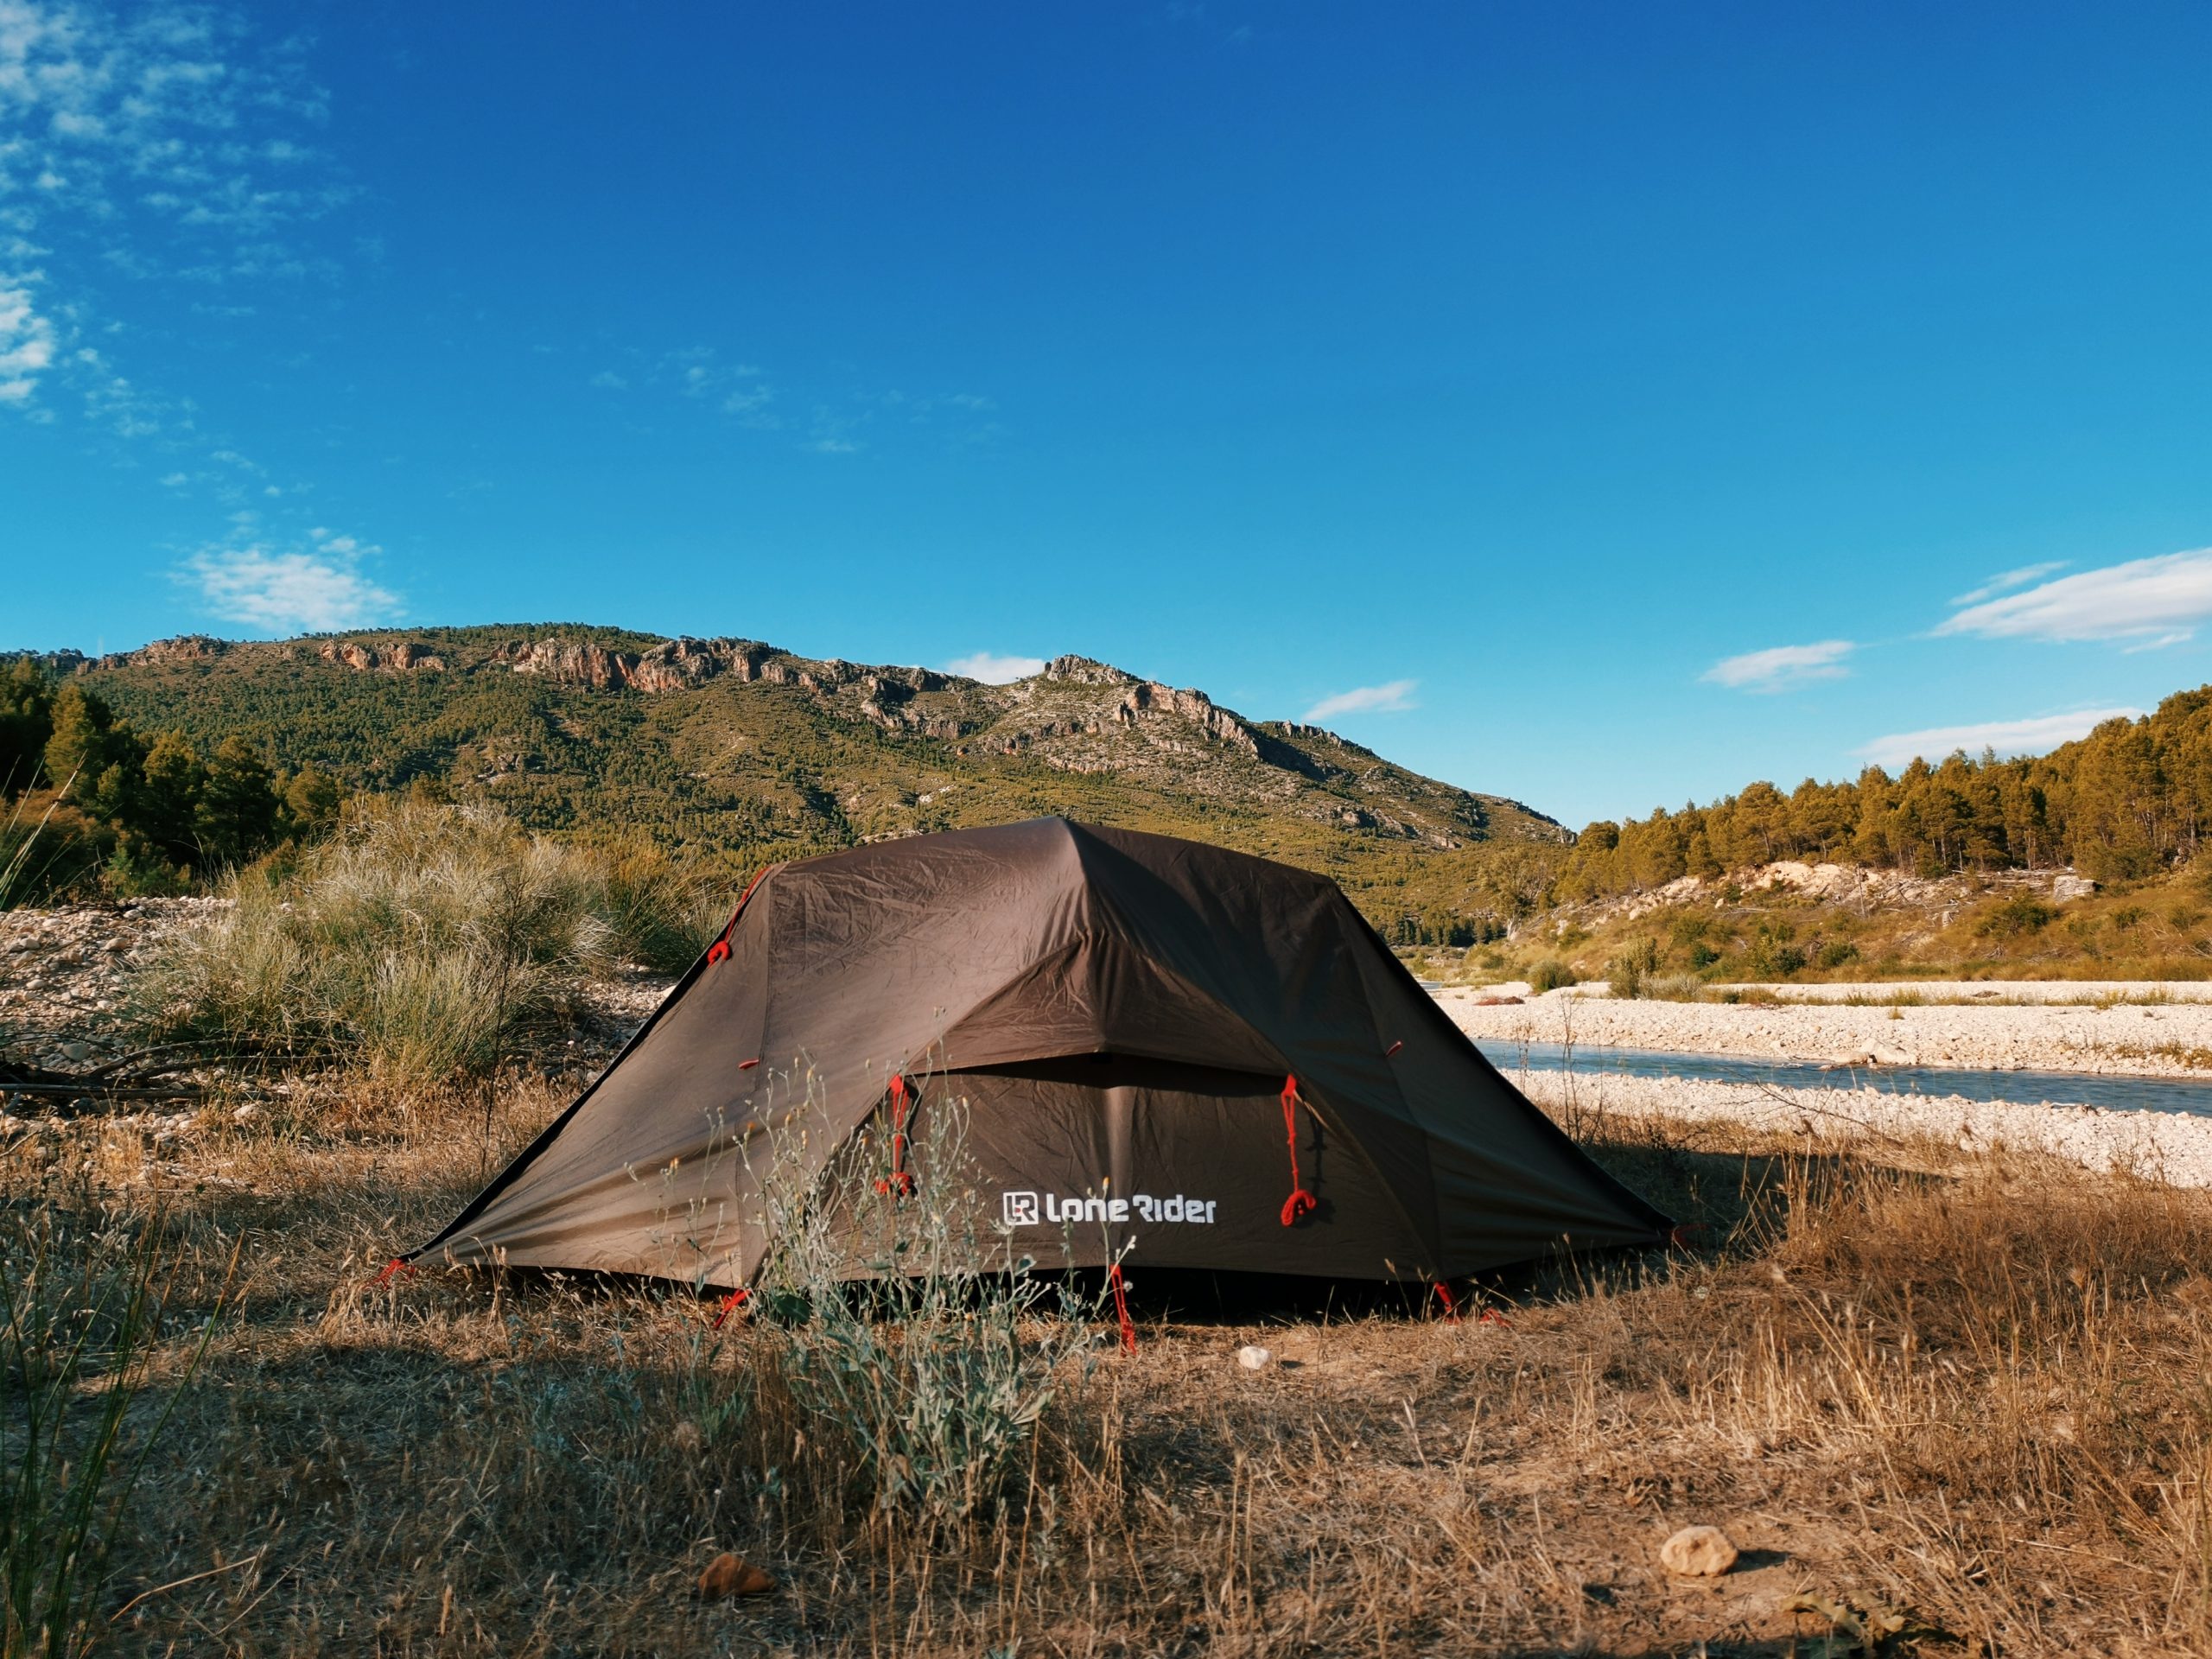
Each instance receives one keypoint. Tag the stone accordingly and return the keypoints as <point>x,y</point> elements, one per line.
<point>2064,887</point>
<point>729,1576</point>
<point>1253,1358</point>
<point>1698,1553</point>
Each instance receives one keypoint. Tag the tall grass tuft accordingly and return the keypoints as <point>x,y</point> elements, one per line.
<point>901,1323</point>
<point>38,857</point>
<point>79,1322</point>
<point>423,940</point>
<point>664,915</point>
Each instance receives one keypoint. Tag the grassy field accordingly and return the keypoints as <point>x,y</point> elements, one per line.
<point>1965,1397</point>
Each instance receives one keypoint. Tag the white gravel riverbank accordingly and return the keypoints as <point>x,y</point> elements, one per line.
<point>2158,1039</point>
<point>2166,1147</point>
<point>1990,991</point>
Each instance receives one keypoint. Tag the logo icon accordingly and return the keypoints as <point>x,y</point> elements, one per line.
<point>1018,1209</point>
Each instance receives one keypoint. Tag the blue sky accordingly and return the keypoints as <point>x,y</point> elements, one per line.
<point>1604,405</point>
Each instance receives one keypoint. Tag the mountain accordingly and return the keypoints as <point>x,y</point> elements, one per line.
<point>738,749</point>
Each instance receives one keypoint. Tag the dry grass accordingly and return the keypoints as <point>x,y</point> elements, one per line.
<point>424,942</point>
<point>1972,1392</point>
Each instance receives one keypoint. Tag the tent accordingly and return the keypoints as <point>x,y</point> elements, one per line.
<point>1204,1057</point>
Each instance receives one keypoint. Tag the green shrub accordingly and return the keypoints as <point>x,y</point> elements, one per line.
<point>421,940</point>
<point>1628,972</point>
<point>1770,955</point>
<point>1550,976</point>
<point>1836,952</point>
<point>2014,918</point>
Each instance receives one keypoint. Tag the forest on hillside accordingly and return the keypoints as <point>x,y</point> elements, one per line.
<point>2128,801</point>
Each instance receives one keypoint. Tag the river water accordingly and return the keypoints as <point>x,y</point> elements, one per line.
<point>2050,1088</point>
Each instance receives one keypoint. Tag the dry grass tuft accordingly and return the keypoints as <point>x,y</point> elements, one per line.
<point>422,942</point>
<point>1959,1405</point>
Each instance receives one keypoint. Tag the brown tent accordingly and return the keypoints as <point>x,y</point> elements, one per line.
<point>1211,1058</point>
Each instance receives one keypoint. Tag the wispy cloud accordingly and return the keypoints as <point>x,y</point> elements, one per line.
<point>313,586</point>
<point>607,380</point>
<point>1393,698</point>
<point>1779,668</point>
<point>993,669</point>
<point>27,339</point>
<point>2006,581</point>
<point>2146,602</point>
<point>2033,736</point>
<point>155,142</point>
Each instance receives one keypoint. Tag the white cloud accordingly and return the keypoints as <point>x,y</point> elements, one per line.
<point>27,339</point>
<point>289,590</point>
<point>994,669</point>
<point>2008,580</point>
<point>607,379</point>
<point>155,108</point>
<point>2152,602</point>
<point>139,139</point>
<point>1393,698</point>
<point>1780,668</point>
<point>2033,736</point>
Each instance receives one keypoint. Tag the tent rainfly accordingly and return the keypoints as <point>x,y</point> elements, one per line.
<point>1204,1057</point>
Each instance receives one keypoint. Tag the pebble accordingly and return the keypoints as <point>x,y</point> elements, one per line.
<point>729,1575</point>
<point>1698,1553</point>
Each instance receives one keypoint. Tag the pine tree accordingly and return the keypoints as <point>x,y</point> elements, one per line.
<point>237,805</point>
<point>93,755</point>
<point>312,800</point>
<point>169,805</point>
<point>26,724</point>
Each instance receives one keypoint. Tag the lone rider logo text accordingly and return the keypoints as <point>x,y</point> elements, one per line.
<point>1022,1209</point>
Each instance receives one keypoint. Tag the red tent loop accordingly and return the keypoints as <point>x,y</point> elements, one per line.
<point>1121,1309</point>
<point>901,1180</point>
<point>1300,1203</point>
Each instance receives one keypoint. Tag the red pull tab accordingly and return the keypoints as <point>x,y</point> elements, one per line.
<point>1122,1309</point>
<point>901,1179</point>
<point>1300,1203</point>
<point>1451,1304</point>
<point>719,950</point>
<point>731,1303</point>
<point>392,1269</point>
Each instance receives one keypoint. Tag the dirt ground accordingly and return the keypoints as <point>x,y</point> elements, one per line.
<point>1971,1397</point>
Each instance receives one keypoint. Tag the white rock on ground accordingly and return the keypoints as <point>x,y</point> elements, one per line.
<point>1698,1553</point>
